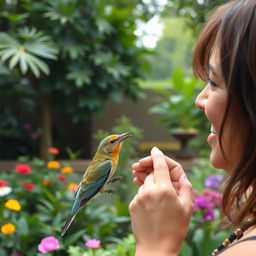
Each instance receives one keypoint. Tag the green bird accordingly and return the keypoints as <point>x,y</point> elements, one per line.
<point>98,173</point>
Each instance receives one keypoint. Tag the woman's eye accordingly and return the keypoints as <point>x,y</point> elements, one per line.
<point>210,82</point>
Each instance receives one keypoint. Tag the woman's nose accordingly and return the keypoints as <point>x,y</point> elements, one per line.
<point>201,99</point>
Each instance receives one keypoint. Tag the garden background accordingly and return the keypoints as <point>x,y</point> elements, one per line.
<point>73,71</point>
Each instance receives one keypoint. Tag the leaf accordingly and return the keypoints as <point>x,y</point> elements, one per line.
<point>23,64</point>
<point>177,80</point>
<point>33,68</point>
<point>6,54</point>
<point>14,60</point>
<point>22,226</point>
<point>23,51</point>
<point>185,250</point>
<point>72,238</point>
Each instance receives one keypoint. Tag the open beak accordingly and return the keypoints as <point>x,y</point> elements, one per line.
<point>123,137</point>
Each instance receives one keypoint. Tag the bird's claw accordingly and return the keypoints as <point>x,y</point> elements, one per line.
<point>115,179</point>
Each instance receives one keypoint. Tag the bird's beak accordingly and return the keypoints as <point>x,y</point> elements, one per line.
<point>123,137</point>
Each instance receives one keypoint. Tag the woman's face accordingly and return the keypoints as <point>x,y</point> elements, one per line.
<point>213,100</point>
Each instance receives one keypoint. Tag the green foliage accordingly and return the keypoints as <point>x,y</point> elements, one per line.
<point>204,235</point>
<point>73,155</point>
<point>173,50</point>
<point>23,50</point>
<point>128,154</point>
<point>195,13</point>
<point>177,105</point>
<point>98,56</point>
<point>46,198</point>
<point>200,172</point>
<point>121,247</point>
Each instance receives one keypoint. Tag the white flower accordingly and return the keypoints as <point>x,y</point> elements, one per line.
<point>5,190</point>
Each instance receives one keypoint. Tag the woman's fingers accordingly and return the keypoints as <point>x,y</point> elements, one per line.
<point>146,165</point>
<point>186,192</point>
<point>138,181</point>
<point>161,169</point>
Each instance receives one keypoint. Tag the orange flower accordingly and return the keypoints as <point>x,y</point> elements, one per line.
<point>67,169</point>
<point>8,228</point>
<point>53,165</point>
<point>47,182</point>
<point>53,151</point>
<point>72,187</point>
<point>13,205</point>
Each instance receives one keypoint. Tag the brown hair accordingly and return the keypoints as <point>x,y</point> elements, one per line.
<point>234,26</point>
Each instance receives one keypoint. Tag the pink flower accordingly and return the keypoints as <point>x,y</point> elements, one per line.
<point>47,244</point>
<point>93,243</point>
<point>23,168</point>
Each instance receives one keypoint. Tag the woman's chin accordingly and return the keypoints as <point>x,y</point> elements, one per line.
<point>217,161</point>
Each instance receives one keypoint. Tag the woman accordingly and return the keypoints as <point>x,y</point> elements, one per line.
<point>225,55</point>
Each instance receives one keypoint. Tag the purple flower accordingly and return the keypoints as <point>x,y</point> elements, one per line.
<point>213,196</point>
<point>49,243</point>
<point>93,243</point>
<point>204,204</point>
<point>201,202</point>
<point>208,215</point>
<point>213,181</point>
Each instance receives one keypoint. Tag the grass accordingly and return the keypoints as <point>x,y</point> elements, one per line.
<point>151,84</point>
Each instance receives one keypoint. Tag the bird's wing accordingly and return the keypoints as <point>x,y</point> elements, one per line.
<point>100,171</point>
<point>93,182</point>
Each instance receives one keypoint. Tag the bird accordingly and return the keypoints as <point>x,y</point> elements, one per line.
<point>98,174</point>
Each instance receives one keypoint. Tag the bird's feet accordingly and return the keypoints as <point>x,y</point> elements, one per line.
<point>115,179</point>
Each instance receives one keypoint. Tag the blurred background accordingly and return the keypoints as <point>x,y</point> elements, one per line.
<point>74,71</point>
<point>70,68</point>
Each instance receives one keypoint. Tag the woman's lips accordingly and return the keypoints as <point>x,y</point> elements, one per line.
<point>212,135</point>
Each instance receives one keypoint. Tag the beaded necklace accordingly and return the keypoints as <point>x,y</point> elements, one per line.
<point>236,235</point>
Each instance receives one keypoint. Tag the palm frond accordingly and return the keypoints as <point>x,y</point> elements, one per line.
<point>27,50</point>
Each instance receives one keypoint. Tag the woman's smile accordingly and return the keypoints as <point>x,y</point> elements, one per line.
<point>212,136</point>
<point>225,143</point>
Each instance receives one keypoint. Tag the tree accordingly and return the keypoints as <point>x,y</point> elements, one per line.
<point>195,12</point>
<point>74,54</point>
<point>174,49</point>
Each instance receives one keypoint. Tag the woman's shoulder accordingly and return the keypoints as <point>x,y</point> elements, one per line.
<point>245,246</point>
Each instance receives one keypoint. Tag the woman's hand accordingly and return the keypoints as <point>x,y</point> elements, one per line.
<point>162,208</point>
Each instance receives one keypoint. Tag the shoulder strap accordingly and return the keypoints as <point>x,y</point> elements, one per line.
<point>247,239</point>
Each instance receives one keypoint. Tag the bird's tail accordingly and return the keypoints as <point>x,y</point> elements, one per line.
<point>68,223</point>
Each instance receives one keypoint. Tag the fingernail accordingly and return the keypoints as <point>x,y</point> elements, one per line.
<point>156,150</point>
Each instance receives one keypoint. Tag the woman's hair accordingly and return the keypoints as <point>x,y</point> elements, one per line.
<point>233,28</point>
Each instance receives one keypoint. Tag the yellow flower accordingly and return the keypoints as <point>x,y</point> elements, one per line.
<point>53,165</point>
<point>67,169</point>
<point>13,204</point>
<point>8,228</point>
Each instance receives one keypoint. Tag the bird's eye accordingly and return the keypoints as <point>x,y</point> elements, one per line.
<point>113,141</point>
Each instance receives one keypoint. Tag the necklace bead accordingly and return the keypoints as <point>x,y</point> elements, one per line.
<point>236,235</point>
